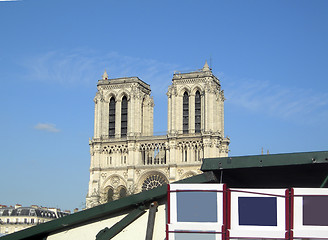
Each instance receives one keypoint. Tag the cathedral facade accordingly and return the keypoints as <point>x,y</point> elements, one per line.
<point>126,157</point>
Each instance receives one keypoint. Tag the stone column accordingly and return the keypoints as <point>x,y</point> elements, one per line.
<point>206,111</point>
<point>222,115</point>
<point>167,153</point>
<point>137,108</point>
<point>178,116</point>
<point>211,111</point>
<point>132,154</point>
<point>217,113</point>
<point>169,114</point>
<point>173,150</point>
<point>151,117</point>
<point>144,109</point>
<point>131,119</point>
<point>189,160</point>
<point>100,119</point>
<point>105,118</point>
<point>193,154</point>
<point>174,113</point>
<point>207,144</point>
<point>96,119</point>
<point>203,114</point>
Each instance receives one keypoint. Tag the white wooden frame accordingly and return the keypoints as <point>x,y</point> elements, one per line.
<point>205,227</point>
<point>300,230</point>
<point>239,231</point>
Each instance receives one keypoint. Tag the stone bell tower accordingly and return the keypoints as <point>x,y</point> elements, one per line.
<point>123,112</point>
<point>196,109</point>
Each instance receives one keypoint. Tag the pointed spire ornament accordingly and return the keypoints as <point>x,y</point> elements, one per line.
<point>206,67</point>
<point>105,76</point>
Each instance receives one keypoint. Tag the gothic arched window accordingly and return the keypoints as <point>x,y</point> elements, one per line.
<point>185,116</point>
<point>110,195</point>
<point>111,131</point>
<point>197,112</point>
<point>123,192</point>
<point>124,117</point>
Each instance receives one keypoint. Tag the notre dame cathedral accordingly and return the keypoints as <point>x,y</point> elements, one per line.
<point>126,157</point>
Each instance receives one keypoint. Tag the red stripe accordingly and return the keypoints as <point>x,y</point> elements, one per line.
<point>291,210</point>
<point>287,194</point>
<point>252,238</point>
<point>178,190</point>
<point>291,235</point>
<point>223,232</point>
<point>186,231</point>
<point>224,209</point>
<point>228,209</point>
<point>168,204</point>
<point>312,195</point>
<point>259,193</point>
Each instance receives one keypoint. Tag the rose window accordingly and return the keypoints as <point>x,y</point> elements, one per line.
<point>153,181</point>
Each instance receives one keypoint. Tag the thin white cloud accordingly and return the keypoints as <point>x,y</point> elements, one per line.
<point>85,67</point>
<point>82,66</point>
<point>264,97</point>
<point>48,127</point>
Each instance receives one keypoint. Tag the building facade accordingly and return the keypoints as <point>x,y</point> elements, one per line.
<point>126,157</point>
<point>13,219</point>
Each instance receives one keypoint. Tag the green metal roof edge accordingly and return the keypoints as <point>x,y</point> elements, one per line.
<point>269,160</point>
<point>88,215</point>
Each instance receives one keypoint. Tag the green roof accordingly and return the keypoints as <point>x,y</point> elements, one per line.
<point>308,169</point>
<point>268,160</point>
<point>132,202</point>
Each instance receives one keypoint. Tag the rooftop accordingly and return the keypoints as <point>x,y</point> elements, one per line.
<point>309,169</point>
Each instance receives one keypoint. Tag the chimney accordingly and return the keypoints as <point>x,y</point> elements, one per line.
<point>18,206</point>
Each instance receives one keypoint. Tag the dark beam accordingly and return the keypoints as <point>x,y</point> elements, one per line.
<point>151,220</point>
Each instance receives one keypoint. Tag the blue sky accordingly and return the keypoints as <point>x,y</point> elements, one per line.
<point>271,58</point>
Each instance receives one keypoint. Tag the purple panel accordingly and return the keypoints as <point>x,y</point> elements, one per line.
<point>315,210</point>
<point>257,211</point>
